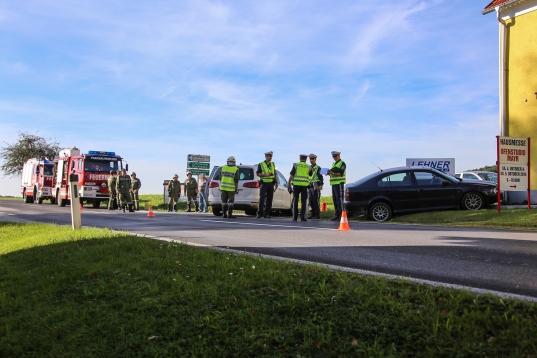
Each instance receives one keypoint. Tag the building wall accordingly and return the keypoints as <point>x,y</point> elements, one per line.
<point>522,82</point>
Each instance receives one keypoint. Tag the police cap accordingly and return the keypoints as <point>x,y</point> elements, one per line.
<point>133,173</point>
<point>336,153</point>
<point>303,155</point>
<point>176,176</point>
<point>269,153</point>
<point>312,156</point>
<point>188,173</point>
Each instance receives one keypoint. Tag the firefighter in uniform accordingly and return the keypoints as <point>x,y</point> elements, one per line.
<point>136,184</point>
<point>174,192</point>
<point>266,171</point>
<point>316,185</point>
<point>229,186</point>
<point>300,179</point>
<point>112,180</point>
<point>123,189</point>
<point>337,181</point>
<point>191,192</point>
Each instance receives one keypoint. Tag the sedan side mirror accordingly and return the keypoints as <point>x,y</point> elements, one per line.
<point>445,183</point>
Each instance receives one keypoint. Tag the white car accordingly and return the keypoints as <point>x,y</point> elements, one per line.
<point>248,197</point>
<point>478,175</point>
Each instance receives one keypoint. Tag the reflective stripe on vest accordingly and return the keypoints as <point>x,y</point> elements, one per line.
<point>314,178</point>
<point>301,177</point>
<point>227,181</point>
<point>334,180</point>
<point>266,170</point>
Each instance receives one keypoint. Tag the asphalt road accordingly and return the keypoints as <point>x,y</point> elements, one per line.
<point>498,260</point>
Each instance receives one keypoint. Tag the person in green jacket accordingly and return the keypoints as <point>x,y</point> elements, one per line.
<point>123,189</point>
<point>112,180</point>
<point>191,192</point>
<point>136,184</point>
<point>174,192</point>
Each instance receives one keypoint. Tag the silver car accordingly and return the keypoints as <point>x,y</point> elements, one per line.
<point>478,175</point>
<point>248,197</point>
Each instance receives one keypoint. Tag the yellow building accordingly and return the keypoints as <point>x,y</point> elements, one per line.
<point>517,21</point>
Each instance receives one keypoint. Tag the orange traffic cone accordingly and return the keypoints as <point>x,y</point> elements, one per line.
<point>344,224</point>
<point>150,213</point>
<point>80,206</point>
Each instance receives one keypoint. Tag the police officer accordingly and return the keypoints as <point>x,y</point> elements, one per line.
<point>316,185</point>
<point>266,171</point>
<point>300,178</point>
<point>191,192</point>
<point>229,186</point>
<point>112,180</point>
<point>136,184</point>
<point>174,192</point>
<point>123,189</point>
<point>337,181</point>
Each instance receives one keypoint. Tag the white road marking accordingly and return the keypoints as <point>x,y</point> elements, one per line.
<point>273,225</point>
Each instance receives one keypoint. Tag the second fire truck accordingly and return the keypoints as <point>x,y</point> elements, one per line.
<point>92,168</point>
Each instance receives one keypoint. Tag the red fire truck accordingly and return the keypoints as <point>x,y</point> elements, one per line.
<point>92,169</point>
<point>37,181</point>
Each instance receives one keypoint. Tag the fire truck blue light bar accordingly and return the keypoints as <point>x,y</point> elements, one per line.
<point>101,153</point>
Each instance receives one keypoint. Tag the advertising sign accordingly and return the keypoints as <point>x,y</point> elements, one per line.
<point>198,158</point>
<point>446,165</point>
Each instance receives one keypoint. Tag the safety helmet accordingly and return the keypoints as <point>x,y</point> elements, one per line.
<point>231,159</point>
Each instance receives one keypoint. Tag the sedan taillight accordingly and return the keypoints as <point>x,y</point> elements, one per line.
<point>213,184</point>
<point>252,184</point>
<point>347,195</point>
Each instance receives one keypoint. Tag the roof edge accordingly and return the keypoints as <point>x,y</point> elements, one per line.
<point>490,9</point>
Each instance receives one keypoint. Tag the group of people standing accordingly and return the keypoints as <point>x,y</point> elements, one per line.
<point>123,191</point>
<point>194,192</point>
<point>304,180</point>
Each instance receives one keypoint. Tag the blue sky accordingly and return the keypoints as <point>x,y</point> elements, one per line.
<point>378,80</point>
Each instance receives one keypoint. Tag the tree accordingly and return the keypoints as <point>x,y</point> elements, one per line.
<point>27,146</point>
<point>486,168</point>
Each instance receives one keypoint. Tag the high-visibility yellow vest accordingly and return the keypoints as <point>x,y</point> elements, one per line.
<point>314,177</point>
<point>227,181</point>
<point>266,170</point>
<point>335,180</point>
<point>301,177</point>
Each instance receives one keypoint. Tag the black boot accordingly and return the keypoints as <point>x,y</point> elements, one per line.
<point>310,216</point>
<point>130,208</point>
<point>224,211</point>
<point>123,208</point>
<point>335,218</point>
<point>230,213</point>
<point>189,207</point>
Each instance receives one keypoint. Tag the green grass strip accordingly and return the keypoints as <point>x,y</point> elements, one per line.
<point>96,293</point>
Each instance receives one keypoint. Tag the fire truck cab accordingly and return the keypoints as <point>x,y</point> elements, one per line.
<point>92,169</point>
<point>37,181</point>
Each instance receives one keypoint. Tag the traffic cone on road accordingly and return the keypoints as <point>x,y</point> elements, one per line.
<point>80,206</point>
<point>150,213</point>
<point>344,224</point>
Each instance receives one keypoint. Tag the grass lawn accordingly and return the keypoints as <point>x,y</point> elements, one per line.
<point>97,293</point>
<point>522,219</point>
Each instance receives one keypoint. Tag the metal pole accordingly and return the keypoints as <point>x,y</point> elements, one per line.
<point>76,219</point>
<point>529,171</point>
<point>498,170</point>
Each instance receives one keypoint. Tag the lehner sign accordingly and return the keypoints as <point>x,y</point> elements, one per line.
<point>513,165</point>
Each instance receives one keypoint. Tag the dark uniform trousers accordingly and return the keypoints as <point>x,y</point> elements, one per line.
<point>266,194</point>
<point>337,196</point>
<point>314,196</point>
<point>303,192</point>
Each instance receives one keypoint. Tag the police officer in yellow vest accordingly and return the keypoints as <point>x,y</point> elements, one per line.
<point>337,181</point>
<point>316,185</point>
<point>229,186</point>
<point>300,178</point>
<point>266,171</point>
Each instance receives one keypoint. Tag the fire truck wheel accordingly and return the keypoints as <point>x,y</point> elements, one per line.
<point>25,197</point>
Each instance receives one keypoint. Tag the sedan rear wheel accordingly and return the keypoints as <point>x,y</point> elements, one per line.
<point>380,212</point>
<point>472,201</point>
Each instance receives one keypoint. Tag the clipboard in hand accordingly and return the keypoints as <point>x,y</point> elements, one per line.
<point>336,170</point>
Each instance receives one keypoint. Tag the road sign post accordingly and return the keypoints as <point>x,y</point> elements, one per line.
<point>513,163</point>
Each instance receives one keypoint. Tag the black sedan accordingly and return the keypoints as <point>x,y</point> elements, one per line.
<point>408,189</point>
